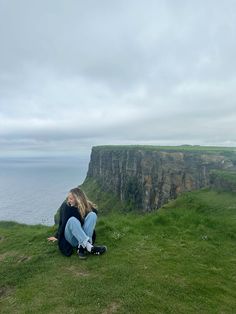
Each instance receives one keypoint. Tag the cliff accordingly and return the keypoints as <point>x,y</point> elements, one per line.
<point>146,177</point>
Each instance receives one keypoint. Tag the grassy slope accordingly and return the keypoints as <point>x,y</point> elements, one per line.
<point>225,176</point>
<point>181,259</point>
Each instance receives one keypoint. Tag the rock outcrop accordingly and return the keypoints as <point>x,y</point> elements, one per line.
<point>149,177</point>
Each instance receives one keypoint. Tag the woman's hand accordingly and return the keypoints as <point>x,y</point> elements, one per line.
<point>52,239</point>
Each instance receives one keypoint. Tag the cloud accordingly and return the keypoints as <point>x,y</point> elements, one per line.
<point>78,74</point>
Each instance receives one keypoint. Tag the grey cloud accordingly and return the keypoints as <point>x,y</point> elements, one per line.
<point>116,72</point>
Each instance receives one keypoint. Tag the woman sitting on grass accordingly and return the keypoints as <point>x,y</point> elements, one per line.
<point>77,222</point>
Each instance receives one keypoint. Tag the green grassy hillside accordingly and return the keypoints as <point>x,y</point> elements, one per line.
<point>181,259</point>
<point>223,180</point>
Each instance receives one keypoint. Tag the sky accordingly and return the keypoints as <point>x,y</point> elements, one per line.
<point>76,74</point>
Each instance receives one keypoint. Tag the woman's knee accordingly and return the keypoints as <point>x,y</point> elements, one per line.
<point>73,221</point>
<point>91,216</point>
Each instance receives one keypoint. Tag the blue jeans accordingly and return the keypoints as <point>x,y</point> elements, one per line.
<point>76,234</point>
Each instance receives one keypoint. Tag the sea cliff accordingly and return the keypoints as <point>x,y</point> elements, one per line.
<point>147,177</point>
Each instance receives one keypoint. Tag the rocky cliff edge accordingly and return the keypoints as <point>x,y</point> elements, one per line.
<point>147,177</point>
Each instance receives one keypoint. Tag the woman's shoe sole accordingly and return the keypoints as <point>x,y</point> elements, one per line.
<point>100,253</point>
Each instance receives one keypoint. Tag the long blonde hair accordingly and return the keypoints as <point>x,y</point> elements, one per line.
<point>82,202</point>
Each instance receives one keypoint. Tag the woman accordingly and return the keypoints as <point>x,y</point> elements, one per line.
<point>78,216</point>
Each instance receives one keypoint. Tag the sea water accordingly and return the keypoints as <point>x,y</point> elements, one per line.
<point>32,189</point>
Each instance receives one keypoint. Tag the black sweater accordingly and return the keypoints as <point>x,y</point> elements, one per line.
<point>66,212</point>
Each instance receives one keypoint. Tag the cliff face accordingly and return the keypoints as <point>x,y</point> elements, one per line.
<point>147,179</point>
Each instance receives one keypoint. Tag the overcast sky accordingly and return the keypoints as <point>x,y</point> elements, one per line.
<point>75,73</point>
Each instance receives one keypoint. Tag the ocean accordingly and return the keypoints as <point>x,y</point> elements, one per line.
<point>32,189</point>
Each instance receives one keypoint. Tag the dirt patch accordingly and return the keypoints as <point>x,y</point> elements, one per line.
<point>6,254</point>
<point>5,291</point>
<point>112,308</point>
<point>22,259</point>
<point>18,259</point>
<point>2,256</point>
<point>77,272</point>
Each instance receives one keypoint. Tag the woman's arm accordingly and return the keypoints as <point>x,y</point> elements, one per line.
<point>55,237</point>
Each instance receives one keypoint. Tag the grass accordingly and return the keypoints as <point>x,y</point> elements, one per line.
<point>225,176</point>
<point>182,148</point>
<point>180,259</point>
